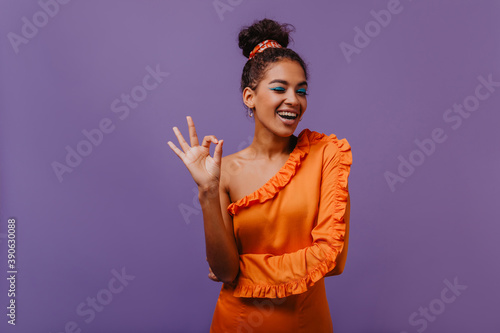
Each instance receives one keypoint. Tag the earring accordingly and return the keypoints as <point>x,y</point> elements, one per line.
<point>250,111</point>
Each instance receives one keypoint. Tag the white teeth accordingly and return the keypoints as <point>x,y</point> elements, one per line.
<point>285,113</point>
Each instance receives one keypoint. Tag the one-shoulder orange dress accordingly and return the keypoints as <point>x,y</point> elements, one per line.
<point>288,233</point>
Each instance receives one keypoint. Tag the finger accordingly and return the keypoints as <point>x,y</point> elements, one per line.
<point>176,150</point>
<point>218,152</point>
<point>182,142</point>
<point>212,277</point>
<point>192,132</point>
<point>207,139</point>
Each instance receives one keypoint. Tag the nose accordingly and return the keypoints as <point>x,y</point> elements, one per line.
<point>291,98</point>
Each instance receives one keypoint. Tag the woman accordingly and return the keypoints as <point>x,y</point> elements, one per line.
<point>276,214</point>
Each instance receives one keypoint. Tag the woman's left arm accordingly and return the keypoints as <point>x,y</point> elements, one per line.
<point>341,258</point>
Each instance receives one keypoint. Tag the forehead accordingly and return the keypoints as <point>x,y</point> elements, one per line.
<point>287,70</point>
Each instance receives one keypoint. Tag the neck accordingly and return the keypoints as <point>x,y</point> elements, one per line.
<point>267,145</point>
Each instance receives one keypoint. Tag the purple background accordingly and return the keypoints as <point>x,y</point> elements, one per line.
<point>121,206</point>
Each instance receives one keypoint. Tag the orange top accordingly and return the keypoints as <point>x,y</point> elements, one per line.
<point>290,231</point>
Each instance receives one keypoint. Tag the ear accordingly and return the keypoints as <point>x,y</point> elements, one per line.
<point>248,97</point>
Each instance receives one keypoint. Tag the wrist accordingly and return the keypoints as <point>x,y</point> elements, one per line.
<point>208,189</point>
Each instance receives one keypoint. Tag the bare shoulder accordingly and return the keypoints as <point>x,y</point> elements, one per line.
<point>231,166</point>
<point>229,161</point>
<point>226,165</point>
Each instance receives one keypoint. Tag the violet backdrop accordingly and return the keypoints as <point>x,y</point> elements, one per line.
<point>106,213</point>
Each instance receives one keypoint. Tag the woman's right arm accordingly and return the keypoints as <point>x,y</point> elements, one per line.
<point>222,253</point>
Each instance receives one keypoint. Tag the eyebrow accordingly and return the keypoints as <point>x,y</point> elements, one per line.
<point>303,83</point>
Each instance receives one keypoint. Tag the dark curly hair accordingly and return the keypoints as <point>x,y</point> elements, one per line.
<point>250,36</point>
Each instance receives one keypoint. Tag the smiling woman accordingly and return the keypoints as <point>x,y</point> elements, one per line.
<point>271,92</point>
<point>276,214</point>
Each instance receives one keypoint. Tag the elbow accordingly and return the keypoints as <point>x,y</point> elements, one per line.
<point>228,281</point>
<point>334,272</point>
<point>339,269</point>
<point>231,274</point>
<point>229,278</point>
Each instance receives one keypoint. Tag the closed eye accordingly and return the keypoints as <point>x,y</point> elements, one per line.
<point>302,92</point>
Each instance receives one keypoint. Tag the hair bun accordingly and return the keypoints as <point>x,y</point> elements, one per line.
<point>250,36</point>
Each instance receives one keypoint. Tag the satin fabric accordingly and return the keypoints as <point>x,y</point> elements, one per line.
<point>289,233</point>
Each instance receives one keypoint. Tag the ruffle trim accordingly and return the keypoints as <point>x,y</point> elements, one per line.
<point>280,179</point>
<point>336,240</point>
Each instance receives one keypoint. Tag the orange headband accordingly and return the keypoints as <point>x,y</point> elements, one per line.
<point>264,45</point>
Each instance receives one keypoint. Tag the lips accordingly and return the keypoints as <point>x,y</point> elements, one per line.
<point>289,110</point>
<point>286,119</point>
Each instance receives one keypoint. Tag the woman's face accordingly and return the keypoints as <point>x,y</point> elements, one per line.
<point>283,88</point>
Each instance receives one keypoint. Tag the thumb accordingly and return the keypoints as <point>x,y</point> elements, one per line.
<point>218,152</point>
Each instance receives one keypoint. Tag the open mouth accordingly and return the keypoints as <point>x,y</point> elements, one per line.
<point>287,115</point>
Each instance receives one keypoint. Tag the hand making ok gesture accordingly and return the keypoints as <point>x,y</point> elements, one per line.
<point>204,169</point>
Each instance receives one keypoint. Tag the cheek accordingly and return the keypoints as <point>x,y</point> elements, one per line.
<point>273,102</point>
<point>275,99</point>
